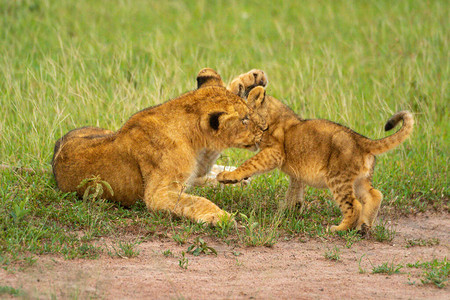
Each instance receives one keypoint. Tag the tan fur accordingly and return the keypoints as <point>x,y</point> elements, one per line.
<point>240,86</point>
<point>322,154</point>
<point>156,152</point>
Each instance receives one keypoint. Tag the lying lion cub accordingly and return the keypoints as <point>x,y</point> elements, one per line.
<point>322,154</point>
<point>155,152</point>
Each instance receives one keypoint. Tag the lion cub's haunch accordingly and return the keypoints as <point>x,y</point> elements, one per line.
<point>156,151</point>
<point>322,154</point>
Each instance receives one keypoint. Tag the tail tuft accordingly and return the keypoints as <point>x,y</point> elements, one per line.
<point>389,125</point>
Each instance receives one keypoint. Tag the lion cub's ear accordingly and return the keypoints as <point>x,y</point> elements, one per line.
<point>214,120</point>
<point>209,77</point>
<point>256,98</point>
<point>257,102</point>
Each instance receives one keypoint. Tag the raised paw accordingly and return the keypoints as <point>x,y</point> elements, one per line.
<point>242,84</point>
<point>228,177</point>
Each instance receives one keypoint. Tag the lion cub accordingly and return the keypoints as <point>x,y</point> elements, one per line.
<point>322,154</point>
<point>206,170</point>
<point>155,153</point>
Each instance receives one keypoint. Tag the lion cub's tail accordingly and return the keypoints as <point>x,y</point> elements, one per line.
<point>385,144</point>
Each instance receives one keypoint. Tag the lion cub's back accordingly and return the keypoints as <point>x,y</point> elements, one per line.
<point>75,134</point>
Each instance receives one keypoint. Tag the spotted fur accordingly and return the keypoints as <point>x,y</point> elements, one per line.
<point>322,154</point>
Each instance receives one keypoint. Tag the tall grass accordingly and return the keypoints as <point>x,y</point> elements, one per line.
<point>66,64</point>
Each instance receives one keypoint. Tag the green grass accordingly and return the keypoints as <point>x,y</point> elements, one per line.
<point>350,237</point>
<point>387,268</point>
<point>383,234</point>
<point>200,247</point>
<point>422,242</point>
<point>125,249</point>
<point>434,272</point>
<point>67,64</point>
<point>183,261</point>
<point>333,254</point>
<point>7,290</point>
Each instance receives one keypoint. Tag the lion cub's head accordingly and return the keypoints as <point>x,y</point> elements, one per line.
<point>228,119</point>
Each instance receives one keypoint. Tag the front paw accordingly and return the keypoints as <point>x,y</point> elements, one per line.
<point>228,177</point>
<point>254,78</point>
<point>221,218</point>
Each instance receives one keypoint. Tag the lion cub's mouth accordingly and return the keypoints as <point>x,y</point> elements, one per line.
<point>252,147</point>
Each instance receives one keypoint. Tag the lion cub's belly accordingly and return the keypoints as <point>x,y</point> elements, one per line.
<point>310,173</point>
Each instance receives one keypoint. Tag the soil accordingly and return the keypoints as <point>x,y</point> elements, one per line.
<point>292,269</point>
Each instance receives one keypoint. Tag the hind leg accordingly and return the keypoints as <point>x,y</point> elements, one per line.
<point>345,197</point>
<point>371,200</point>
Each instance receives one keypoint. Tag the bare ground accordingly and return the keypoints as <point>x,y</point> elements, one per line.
<point>291,269</point>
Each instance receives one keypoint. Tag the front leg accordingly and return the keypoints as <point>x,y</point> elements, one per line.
<point>294,195</point>
<point>172,198</point>
<point>265,161</point>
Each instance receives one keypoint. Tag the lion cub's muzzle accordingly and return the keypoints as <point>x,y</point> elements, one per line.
<point>252,147</point>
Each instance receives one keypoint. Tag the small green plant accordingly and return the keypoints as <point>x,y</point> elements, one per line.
<point>350,237</point>
<point>182,235</point>
<point>29,260</point>
<point>422,242</point>
<point>200,247</point>
<point>180,238</point>
<point>306,225</point>
<point>361,269</point>
<point>167,253</point>
<point>183,261</point>
<point>256,235</point>
<point>88,251</point>
<point>387,268</point>
<point>435,272</point>
<point>80,250</point>
<point>333,254</point>
<point>19,210</point>
<point>383,234</point>
<point>410,282</point>
<point>238,263</point>
<point>8,290</point>
<point>94,189</point>
<point>126,249</point>
<point>225,224</point>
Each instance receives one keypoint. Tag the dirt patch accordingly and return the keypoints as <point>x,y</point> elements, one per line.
<point>292,269</point>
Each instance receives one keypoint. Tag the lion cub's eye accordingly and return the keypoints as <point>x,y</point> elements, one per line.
<point>245,120</point>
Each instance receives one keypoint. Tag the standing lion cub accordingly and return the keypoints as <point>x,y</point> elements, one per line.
<point>158,150</point>
<point>322,154</point>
